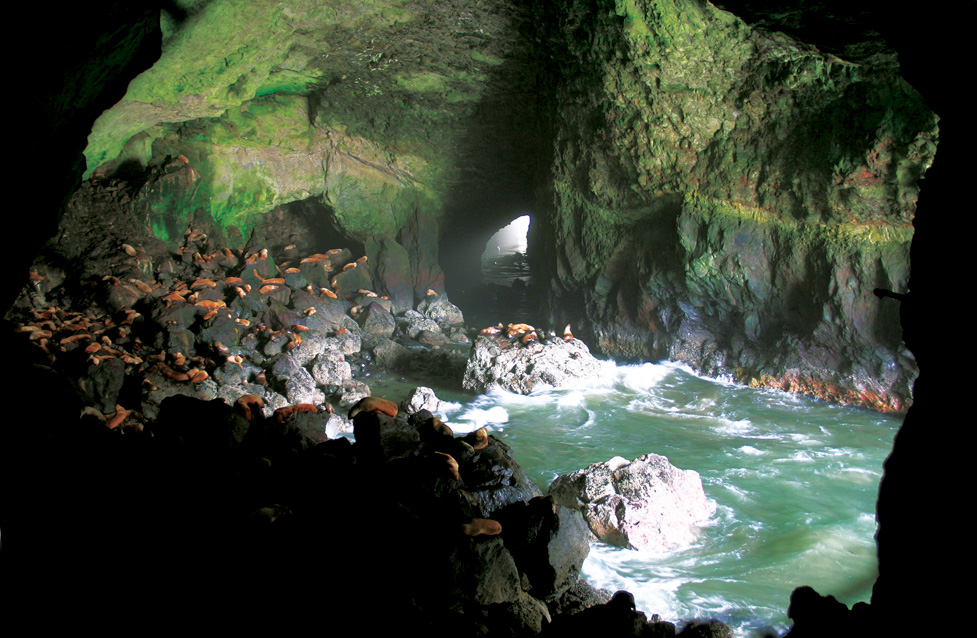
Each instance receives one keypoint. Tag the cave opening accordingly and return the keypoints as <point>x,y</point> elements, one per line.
<point>913,542</point>
<point>504,260</point>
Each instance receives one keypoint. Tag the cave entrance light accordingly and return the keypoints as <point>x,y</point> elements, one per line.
<point>504,258</point>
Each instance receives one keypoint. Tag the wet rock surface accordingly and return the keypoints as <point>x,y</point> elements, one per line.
<point>292,326</point>
<point>519,365</point>
<point>646,503</point>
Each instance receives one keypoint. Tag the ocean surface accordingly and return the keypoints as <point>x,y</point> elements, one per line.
<point>793,482</point>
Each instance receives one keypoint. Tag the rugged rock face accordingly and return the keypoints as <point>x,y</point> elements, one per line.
<point>370,112</point>
<point>53,498</point>
<point>730,197</point>
<point>497,360</point>
<point>647,503</point>
<point>707,191</point>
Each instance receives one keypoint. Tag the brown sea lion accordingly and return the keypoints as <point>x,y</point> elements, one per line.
<point>440,427</point>
<point>518,329</point>
<point>373,404</point>
<point>247,405</point>
<point>452,464</point>
<point>477,439</point>
<point>479,526</point>
<point>289,411</point>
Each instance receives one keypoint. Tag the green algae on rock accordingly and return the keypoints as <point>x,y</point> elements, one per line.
<point>707,190</point>
<point>730,197</point>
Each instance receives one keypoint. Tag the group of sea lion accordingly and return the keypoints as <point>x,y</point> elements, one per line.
<point>193,285</point>
<point>525,333</point>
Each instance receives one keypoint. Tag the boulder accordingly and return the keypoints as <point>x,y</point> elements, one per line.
<point>376,320</point>
<point>520,368</point>
<point>299,385</point>
<point>438,308</point>
<point>331,368</point>
<point>647,503</point>
<point>422,398</point>
<point>414,323</point>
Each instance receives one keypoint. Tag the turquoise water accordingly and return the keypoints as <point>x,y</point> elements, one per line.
<point>793,482</point>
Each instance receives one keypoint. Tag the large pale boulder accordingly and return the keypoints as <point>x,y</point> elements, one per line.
<point>520,368</point>
<point>647,503</point>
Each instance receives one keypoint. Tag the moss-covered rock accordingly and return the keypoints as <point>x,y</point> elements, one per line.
<point>708,190</point>
<point>731,197</point>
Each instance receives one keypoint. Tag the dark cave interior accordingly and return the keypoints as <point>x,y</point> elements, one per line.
<point>54,550</point>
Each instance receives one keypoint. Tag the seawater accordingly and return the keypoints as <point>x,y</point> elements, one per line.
<point>793,482</point>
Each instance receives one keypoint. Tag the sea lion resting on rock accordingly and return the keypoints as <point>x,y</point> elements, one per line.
<point>373,404</point>
<point>452,464</point>
<point>477,439</point>
<point>479,526</point>
<point>247,404</point>
<point>289,411</point>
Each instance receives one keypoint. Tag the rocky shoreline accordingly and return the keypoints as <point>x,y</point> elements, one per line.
<point>209,388</point>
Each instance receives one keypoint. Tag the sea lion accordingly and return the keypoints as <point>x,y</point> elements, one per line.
<point>210,304</point>
<point>452,464</point>
<point>373,404</point>
<point>518,329</point>
<point>116,419</point>
<point>478,526</point>
<point>289,411</point>
<point>440,427</point>
<point>294,340</point>
<point>203,282</point>
<point>247,405</point>
<point>477,439</point>
<point>433,431</point>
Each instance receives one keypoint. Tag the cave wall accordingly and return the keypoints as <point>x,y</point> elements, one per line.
<point>704,189</point>
<point>919,546</point>
<point>390,113</point>
<point>730,196</point>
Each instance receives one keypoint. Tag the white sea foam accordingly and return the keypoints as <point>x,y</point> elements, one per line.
<point>643,377</point>
<point>727,426</point>
<point>749,450</point>
<point>800,456</point>
<point>571,399</point>
<point>480,417</point>
<point>616,569</point>
<point>447,408</point>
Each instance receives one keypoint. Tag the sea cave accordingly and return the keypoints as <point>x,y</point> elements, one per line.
<point>732,196</point>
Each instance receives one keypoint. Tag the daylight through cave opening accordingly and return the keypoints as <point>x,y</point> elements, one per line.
<point>504,258</point>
